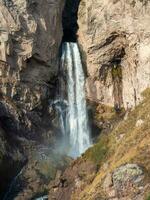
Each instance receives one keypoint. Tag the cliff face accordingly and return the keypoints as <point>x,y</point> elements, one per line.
<point>30,37</point>
<point>114,37</point>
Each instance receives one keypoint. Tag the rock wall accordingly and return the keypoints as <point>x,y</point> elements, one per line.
<point>30,36</point>
<point>114,37</point>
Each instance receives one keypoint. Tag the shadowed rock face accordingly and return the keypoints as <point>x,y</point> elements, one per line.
<point>70,25</point>
<point>115,34</point>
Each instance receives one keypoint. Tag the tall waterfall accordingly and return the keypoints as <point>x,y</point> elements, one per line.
<point>77,126</point>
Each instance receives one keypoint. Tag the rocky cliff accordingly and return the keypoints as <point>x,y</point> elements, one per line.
<point>30,36</point>
<point>114,38</point>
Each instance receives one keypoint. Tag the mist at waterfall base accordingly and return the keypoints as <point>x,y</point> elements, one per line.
<point>72,110</point>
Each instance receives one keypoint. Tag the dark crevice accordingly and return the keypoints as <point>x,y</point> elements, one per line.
<point>117,86</point>
<point>69,21</point>
<point>106,42</point>
<point>114,68</point>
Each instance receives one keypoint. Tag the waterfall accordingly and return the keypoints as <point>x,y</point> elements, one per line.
<point>42,198</point>
<point>77,122</point>
<point>60,106</point>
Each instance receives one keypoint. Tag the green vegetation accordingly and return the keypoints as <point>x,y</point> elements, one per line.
<point>99,151</point>
<point>48,166</point>
<point>129,142</point>
<point>106,115</point>
<point>47,170</point>
<point>117,72</point>
<point>148,198</point>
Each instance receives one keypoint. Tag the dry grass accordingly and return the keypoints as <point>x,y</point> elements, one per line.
<point>128,142</point>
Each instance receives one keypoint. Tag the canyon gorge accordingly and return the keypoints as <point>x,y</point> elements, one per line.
<point>74,99</point>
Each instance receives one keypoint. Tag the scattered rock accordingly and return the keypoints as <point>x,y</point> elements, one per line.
<point>128,172</point>
<point>125,183</point>
<point>108,181</point>
<point>139,123</point>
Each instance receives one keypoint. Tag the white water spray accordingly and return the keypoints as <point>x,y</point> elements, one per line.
<point>79,134</point>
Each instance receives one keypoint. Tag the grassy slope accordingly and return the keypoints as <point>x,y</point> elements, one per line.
<point>127,143</point>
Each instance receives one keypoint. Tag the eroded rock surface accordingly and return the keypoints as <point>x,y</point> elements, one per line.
<point>74,179</point>
<point>114,37</point>
<point>30,35</point>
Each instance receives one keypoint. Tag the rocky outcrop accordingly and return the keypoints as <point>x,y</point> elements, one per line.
<point>114,39</point>
<point>126,182</point>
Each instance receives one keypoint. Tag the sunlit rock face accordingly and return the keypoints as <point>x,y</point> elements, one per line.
<point>114,37</point>
<point>30,36</point>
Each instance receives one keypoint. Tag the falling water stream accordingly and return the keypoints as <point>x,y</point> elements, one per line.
<point>77,126</point>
